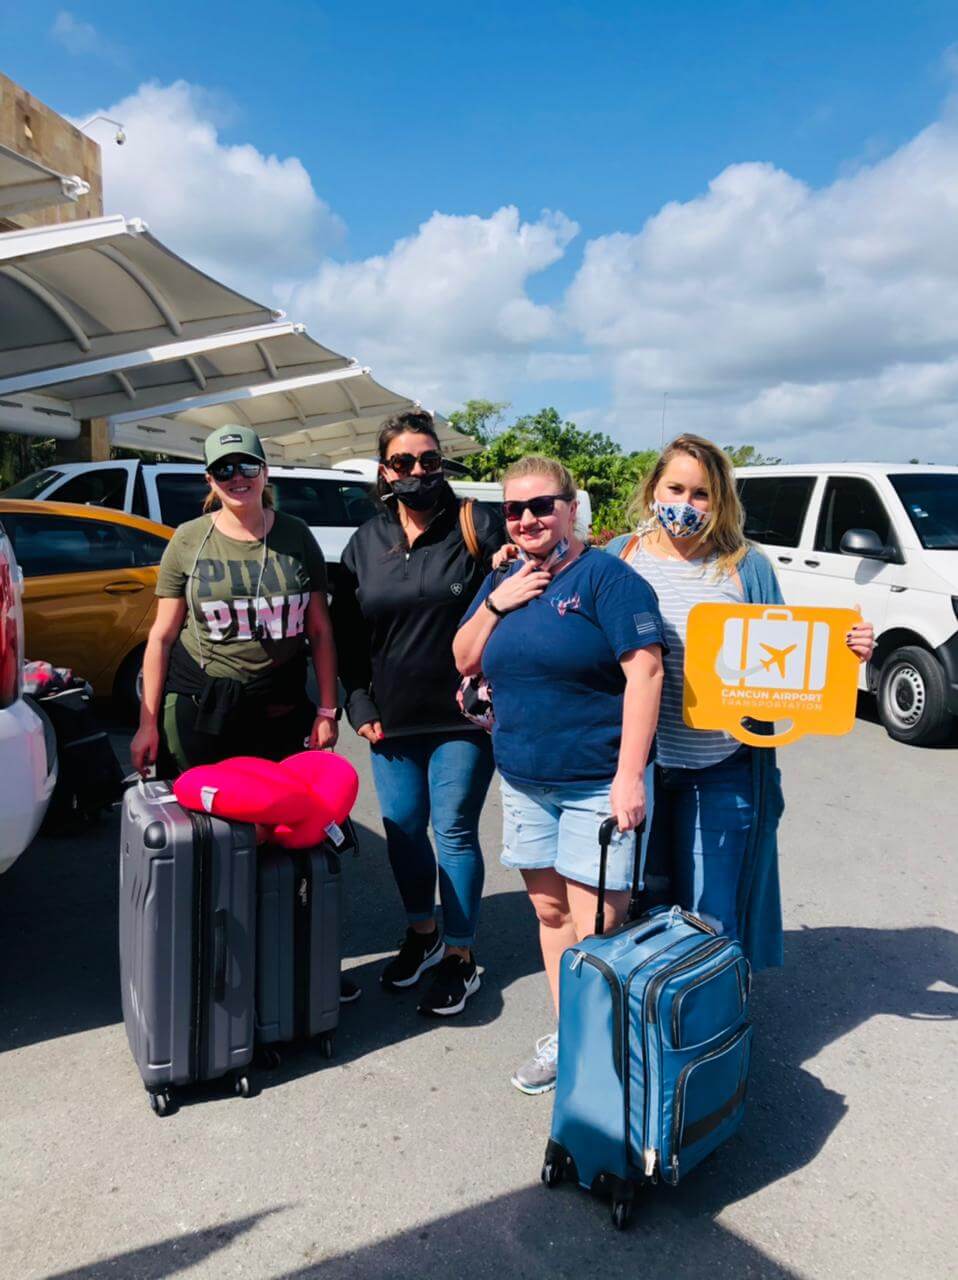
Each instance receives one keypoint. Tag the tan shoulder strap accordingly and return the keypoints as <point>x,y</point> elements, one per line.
<point>630,547</point>
<point>468,526</point>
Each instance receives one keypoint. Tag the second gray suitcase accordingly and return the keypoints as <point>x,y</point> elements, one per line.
<point>298,947</point>
<point>187,937</point>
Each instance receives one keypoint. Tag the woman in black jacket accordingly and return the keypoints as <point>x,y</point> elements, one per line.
<point>407,578</point>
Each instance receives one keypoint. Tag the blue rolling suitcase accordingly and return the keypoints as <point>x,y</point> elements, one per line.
<point>653,1050</point>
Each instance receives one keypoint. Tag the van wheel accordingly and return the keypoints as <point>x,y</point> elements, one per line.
<point>127,687</point>
<point>912,697</point>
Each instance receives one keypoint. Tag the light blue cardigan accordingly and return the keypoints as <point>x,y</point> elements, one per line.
<point>759,896</point>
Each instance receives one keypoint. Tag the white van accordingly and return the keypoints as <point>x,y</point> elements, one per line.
<point>884,537</point>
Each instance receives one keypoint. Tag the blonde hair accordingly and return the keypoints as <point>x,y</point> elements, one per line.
<point>535,464</point>
<point>725,527</point>
<point>212,503</point>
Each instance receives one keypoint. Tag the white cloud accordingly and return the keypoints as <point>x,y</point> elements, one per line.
<point>248,218</point>
<point>812,323</point>
<point>445,312</point>
<point>83,40</point>
<point>812,320</point>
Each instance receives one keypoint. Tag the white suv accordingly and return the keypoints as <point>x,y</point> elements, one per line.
<point>28,758</point>
<point>884,537</point>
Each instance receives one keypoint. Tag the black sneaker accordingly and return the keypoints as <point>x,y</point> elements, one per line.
<point>419,952</point>
<point>349,991</point>
<point>454,981</point>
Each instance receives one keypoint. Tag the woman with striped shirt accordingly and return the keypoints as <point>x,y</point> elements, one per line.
<point>712,842</point>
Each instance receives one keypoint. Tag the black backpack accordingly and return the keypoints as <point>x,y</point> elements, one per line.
<point>90,778</point>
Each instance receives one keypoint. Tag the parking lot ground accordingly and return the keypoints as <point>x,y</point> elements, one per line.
<point>410,1154</point>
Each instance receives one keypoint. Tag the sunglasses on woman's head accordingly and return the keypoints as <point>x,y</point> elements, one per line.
<point>403,463</point>
<point>544,506</point>
<point>227,470</point>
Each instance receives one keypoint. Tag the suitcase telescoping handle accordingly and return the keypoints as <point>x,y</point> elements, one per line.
<point>606,832</point>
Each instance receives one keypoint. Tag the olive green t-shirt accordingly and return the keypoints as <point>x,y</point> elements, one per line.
<point>229,605</point>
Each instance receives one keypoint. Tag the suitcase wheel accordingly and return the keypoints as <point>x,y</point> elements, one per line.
<point>621,1213</point>
<point>269,1058</point>
<point>327,1045</point>
<point>241,1086</point>
<point>552,1173</point>
<point>160,1102</point>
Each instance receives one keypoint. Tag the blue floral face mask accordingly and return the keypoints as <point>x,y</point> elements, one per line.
<point>555,556</point>
<point>680,519</point>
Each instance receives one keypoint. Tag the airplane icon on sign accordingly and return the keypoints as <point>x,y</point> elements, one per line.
<point>777,656</point>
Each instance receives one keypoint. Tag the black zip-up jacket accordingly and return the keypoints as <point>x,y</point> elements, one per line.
<point>396,610</point>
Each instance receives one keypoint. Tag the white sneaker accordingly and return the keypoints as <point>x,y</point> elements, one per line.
<point>538,1075</point>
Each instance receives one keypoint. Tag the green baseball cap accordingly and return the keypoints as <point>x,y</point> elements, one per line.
<point>229,440</point>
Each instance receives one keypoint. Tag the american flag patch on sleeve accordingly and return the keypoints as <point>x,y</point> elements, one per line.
<point>645,626</point>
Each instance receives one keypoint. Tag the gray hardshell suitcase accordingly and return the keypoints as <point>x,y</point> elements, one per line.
<point>187,942</point>
<point>298,946</point>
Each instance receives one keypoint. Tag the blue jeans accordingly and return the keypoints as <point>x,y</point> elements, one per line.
<point>445,775</point>
<point>700,826</point>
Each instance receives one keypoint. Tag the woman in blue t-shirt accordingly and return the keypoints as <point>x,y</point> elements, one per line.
<point>571,643</point>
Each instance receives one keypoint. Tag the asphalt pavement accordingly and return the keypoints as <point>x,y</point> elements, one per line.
<point>410,1154</point>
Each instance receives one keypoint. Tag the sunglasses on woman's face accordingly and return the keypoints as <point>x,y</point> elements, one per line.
<point>403,463</point>
<point>544,506</point>
<point>222,471</point>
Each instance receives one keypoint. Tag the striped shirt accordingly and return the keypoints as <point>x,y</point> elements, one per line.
<point>680,584</point>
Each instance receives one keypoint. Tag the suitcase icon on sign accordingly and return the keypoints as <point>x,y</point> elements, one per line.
<point>774,652</point>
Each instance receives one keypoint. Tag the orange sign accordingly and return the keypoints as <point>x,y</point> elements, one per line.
<point>771,663</point>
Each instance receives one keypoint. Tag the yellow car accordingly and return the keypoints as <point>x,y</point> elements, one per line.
<point>89,576</point>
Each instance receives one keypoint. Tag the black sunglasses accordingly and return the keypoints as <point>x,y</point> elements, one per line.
<point>403,463</point>
<point>227,470</point>
<point>544,506</point>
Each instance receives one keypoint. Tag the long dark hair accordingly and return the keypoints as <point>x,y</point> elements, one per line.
<point>420,421</point>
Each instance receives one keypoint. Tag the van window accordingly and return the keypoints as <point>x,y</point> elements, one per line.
<point>323,503</point>
<point>30,486</point>
<point>850,503</point>
<point>775,507</point>
<point>181,495</point>
<point>932,505</point>
<point>101,488</point>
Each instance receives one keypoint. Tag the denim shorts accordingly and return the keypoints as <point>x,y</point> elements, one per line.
<point>559,827</point>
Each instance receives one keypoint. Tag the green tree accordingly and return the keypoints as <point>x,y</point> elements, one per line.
<point>600,465</point>
<point>597,462</point>
<point>746,455</point>
<point>480,418</point>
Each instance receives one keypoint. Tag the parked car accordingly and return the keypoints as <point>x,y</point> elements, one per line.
<point>884,537</point>
<point>332,502</point>
<point>28,756</point>
<point>89,575</point>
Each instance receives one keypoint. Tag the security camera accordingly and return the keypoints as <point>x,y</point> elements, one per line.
<point>120,137</point>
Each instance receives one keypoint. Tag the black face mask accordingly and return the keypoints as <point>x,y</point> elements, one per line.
<point>419,493</point>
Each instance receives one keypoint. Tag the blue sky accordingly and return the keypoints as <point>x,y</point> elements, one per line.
<point>612,115</point>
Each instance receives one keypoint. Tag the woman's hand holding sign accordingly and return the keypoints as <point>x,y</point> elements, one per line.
<point>861,639</point>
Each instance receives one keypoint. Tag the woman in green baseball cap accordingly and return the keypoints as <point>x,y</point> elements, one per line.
<point>240,591</point>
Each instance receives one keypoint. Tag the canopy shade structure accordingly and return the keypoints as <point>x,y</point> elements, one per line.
<point>26,184</point>
<point>314,419</point>
<point>139,381</point>
<point>98,287</point>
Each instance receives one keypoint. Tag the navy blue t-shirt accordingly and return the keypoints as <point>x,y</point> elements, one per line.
<point>557,684</point>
